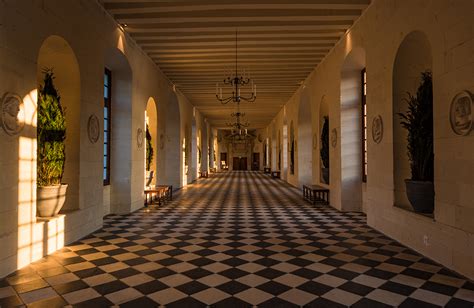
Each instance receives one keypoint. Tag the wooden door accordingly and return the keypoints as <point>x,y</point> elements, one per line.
<point>243,163</point>
<point>256,161</point>
<point>236,163</point>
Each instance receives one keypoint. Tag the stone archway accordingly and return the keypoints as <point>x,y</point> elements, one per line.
<point>413,57</point>
<point>56,54</point>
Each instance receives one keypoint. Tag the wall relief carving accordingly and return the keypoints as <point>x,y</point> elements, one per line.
<point>333,137</point>
<point>12,114</point>
<point>162,141</point>
<point>460,114</point>
<point>93,128</point>
<point>377,129</point>
<point>140,137</point>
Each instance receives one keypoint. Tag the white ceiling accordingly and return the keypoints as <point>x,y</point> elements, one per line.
<point>279,43</point>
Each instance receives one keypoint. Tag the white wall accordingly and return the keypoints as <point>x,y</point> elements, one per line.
<point>92,35</point>
<point>380,31</point>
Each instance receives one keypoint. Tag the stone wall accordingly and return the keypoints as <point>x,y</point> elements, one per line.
<point>95,41</point>
<point>447,238</point>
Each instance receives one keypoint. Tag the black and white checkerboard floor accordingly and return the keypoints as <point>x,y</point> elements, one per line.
<point>237,239</point>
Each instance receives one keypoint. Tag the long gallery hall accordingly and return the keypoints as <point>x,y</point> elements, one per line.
<point>239,239</point>
<point>254,153</point>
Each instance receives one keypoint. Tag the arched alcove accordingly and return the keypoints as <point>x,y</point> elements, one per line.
<point>56,53</point>
<point>194,152</point>
<point>324,157</point>
<point>291,148</point>
<point>352,136</point>
<point>305,132</point>
<point>266,153</point>
<point>284,170</point>
<point>279,151</point>
<point>273,153</point>
<point>186,143</point>
<point>413,57</point>
<point>120,114</point>
<point>151,119</point>
<point>171,155</point>
<point>199,151</point>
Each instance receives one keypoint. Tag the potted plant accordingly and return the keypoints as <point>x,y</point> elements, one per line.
<point>51,192</point>
<point>418,121</point>
<point>324,151</point>
<point>149,149</point>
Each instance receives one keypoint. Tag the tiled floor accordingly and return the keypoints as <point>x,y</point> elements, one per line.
<point>236,239</point>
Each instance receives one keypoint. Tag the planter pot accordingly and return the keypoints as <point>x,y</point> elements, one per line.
<point>421,195</point>
<point>50,200</point>
<point>325,175</point>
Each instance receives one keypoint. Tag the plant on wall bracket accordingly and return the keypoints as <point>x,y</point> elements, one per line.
<point>149,149</point>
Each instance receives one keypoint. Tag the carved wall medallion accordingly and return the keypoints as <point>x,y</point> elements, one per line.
<point>377,129</point>
<point>140,137</point>
<point>12,114</point>
<point>315,141</point>
<point>93,128</point>
<point>259,138</point>
<point>461,113</point>
<point>162,141</point>
<point>334,137</point>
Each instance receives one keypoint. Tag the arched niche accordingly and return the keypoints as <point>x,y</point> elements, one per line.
<point>284,170</point>
<point>273,152</point>
<point>279,146</point>
<point>151,119</point>
<point>57,54</point>
<point>291,148</point>
<point>194,151</point>
<point>171,156</point>
<point>324,164</point>
<point>413,57</point>
<point>199,151</point>
<point>305,132</point>
<point>351,130</point>
<point>122,138</point>
<point>266,153</point>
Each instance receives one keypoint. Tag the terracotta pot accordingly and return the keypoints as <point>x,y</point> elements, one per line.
<point>421,195</point>
<point>50,200</point>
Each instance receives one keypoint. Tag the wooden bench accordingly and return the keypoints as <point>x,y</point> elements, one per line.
<point>267,170</point>
<point>203,174</point>
<point>276,174</point>
<point>316,194</point>
<point>162,193</point>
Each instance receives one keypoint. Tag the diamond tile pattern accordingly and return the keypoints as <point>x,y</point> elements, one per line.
<point>236,239</point>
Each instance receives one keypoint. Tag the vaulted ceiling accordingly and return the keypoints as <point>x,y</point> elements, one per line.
<point>279,43</point>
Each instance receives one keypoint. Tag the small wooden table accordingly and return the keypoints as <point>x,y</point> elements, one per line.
<point>162,193</point>
<point>316,194</point>
<point>276,174</point>
<point>266,170</point>
<point>203,174</point>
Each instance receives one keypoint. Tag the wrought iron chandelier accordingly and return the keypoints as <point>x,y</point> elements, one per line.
<point>238,124</point>
<point>237,82</point>
<point>239,131</point>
